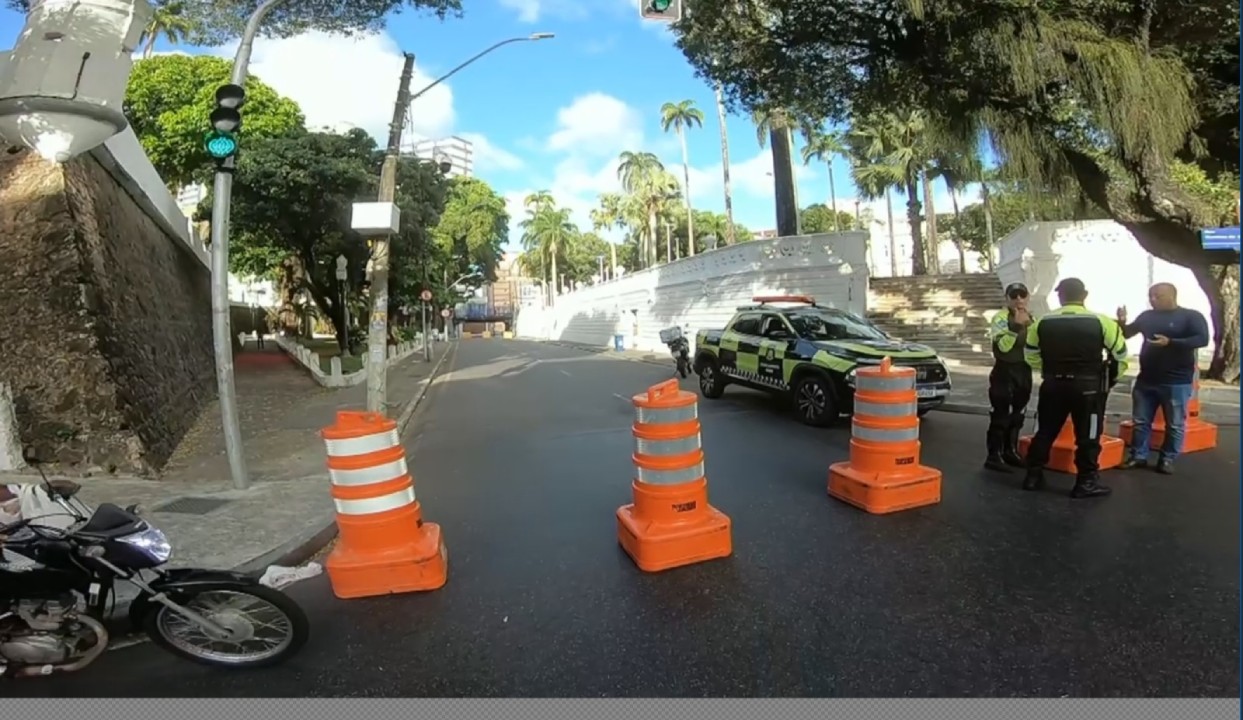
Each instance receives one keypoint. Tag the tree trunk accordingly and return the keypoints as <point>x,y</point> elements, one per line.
<point>962,251</point>
<point>149,48</point>
<point>913,210</point>
<point>653,230</point>
<point>833,198</point>
<point>893,238</point>
<point>686,188</point>
<point>783,181</point>
<point>288,285</point>
<point>552,269</point>
<point>986,198</point>
<point>932,245</point>
<point>730,239</point>
<point>1221,284</point>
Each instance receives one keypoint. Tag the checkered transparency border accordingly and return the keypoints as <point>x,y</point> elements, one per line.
<point>505,709</point>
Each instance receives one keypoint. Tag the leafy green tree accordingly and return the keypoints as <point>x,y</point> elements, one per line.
<point>168,21</point>
<point>292,200</point>
<point>825,147</point>
<point>1114,98</point>
<point>417,260</point>
<point>473,228</point>
<point>817,218</point>
<point>215,22</point>
<point>547,234</point>
<point>169,99</point>
<point>586,253</point>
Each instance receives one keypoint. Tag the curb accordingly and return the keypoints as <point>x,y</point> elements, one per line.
<point>972,409</point>
<point>301,548</point>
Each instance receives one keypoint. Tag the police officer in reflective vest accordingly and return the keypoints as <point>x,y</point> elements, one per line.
<point>1080,355</point>
<point>1010,382</point>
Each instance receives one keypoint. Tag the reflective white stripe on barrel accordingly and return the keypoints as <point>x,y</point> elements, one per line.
<point>868,381</point>
<point>370,506</point>
<point>670,477</point>
<point>363,445</point>
<point>885,434</point>
<point>680,446</point>
<point>865,407</point>
<point>655,416</point>
<point>369,475</point>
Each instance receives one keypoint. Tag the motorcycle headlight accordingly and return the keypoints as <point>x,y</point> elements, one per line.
<point>151,541</point>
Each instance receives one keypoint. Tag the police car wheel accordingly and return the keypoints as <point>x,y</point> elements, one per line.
<point>813,401</point>
<point>711,384</point>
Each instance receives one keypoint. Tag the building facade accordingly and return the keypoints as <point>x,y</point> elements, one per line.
<point>459,151</point>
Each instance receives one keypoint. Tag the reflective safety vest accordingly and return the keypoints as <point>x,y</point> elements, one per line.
<point>1074,342</point>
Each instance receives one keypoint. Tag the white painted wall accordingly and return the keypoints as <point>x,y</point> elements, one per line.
<point>1102,253</point>
<point>878,249</point>
<point>704,291</point>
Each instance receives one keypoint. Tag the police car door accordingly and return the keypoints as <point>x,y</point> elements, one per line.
<point>776,339</point>
<point>739,344</point>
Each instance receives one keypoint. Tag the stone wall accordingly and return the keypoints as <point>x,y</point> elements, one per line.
<point>107,326</point>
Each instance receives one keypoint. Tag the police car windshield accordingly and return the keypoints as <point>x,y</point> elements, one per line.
<point>822,324</point>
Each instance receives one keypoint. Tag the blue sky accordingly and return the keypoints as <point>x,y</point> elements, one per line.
<point>551,115</point>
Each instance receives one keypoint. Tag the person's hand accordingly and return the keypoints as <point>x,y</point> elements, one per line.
<point>1022,317</point>
<point>1121,315</point>
<point>1160,340</point>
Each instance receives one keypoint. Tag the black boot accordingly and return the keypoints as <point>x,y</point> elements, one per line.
<point>996,462</point>
<point>1034,479</point>
<point>1087,486</point>
<point>1010,455</point>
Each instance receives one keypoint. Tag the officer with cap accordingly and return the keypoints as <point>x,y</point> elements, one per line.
<point>1080,355</point>
<point>1010,382</point>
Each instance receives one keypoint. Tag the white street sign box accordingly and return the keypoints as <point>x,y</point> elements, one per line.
<point>375,218</point>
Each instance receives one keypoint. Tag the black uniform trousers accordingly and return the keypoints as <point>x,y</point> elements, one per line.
<point>1083,401</point>
<point>1009,391</point>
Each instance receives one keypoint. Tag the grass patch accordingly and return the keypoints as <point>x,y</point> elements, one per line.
<point>326,349</point>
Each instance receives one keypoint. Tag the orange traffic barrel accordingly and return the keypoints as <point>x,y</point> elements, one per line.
<point>883,474</point>
<point>670,523</point>
<point>1062,454</point>
<point>1198,433</point>
<point>384,546</point>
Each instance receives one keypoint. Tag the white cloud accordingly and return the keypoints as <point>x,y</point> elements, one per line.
<point>344,82</point>
<point>490,157</point>
<point>530,11</point>
<point>597,124</point>
<point>752,176</point>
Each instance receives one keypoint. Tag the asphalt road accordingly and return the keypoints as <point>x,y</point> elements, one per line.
<point>523,457</point>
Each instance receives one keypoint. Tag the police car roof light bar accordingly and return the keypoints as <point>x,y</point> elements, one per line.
<point>801,299</point>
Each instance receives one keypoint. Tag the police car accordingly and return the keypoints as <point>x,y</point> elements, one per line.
<point>789,345</point>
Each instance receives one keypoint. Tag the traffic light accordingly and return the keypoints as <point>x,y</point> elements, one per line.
<point>663,10</point>
<point>226,121</point>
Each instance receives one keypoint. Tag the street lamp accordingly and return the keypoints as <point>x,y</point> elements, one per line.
<point>533,37</point>
<point>343,274</point>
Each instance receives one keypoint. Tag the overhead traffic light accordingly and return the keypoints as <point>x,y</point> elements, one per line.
<point>226,121</point>
<point>663,10</point>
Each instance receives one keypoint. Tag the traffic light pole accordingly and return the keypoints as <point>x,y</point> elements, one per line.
<point>222,194</point>
<point>377,332</point>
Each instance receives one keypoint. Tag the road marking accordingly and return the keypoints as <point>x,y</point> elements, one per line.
<point>564,372</point>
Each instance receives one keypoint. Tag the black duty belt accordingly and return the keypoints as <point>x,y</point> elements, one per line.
<point>1073,376</point>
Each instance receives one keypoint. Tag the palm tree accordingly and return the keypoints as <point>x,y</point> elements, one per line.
<point>679,117</point>
<point>824,147</point>
<point>957,168</point>
<point>539,200</point>
<point>729,195</point>
<point>775,127</point>
<point>897,150</point>
<point>643,177</point>
<point>547,231</point>
<point>167,20</point>
<point>873,178</point>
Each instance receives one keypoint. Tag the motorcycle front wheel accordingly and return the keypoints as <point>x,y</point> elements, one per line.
<point>684,367</point>
<point>265,627</point>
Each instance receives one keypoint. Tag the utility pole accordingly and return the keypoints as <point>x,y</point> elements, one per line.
<point>377,336</point>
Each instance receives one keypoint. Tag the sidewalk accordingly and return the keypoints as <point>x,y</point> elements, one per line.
<point>1219,402</point>
<point>287,514</point>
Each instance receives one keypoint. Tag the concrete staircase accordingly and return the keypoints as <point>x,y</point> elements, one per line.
<point>946,312</point>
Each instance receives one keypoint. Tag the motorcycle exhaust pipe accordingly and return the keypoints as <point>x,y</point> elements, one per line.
<point>101,644</point>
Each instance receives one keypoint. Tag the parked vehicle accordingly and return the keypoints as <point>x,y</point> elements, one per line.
<point>59,564</point>
<point>679,347</point>
<point>790,346</point>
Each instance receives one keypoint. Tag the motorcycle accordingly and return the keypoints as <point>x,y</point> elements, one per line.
<point>679,348</point>
<point>58,576</point>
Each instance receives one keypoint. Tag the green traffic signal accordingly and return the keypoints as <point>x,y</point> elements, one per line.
<point>660,5</point>
<point>220,145</point>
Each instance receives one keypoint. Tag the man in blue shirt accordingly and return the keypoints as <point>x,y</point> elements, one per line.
<point>1167,368</point>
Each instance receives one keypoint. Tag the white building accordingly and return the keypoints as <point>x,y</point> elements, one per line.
<point>459,151</point>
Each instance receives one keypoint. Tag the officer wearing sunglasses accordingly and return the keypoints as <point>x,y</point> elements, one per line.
<point>1010,382</point>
